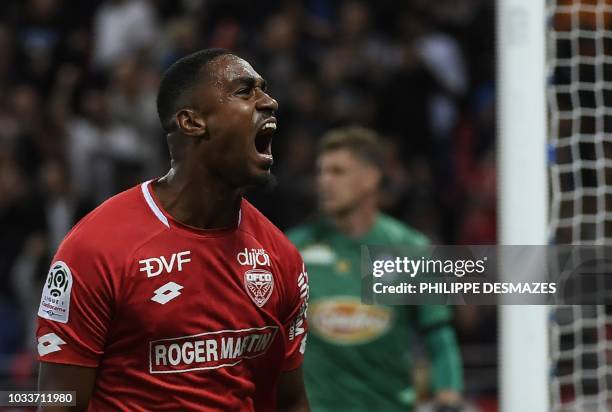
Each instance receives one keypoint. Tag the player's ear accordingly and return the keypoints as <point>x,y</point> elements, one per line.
<point>189,122</point>
<point>373,177</point>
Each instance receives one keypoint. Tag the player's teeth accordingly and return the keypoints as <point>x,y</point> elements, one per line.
<point>267,156</point>
<point>269,126</point>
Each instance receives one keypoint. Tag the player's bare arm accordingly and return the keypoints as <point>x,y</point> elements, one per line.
<point>60,377</point>
<point>291,392</point>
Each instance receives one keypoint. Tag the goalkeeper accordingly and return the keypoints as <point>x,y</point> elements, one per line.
<point>358,355</point>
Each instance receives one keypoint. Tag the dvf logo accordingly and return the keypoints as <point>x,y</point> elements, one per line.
<point>155,266</point>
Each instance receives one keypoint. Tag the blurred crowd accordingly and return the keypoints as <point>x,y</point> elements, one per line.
<point>78,81</point>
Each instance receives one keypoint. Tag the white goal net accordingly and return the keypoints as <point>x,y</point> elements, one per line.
<point>579,66</point>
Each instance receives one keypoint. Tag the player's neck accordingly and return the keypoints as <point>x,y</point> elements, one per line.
<point>357,222</point>
<point>203,202</point>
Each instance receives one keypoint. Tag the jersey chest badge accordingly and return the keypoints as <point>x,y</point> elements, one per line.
<point>259,284</point>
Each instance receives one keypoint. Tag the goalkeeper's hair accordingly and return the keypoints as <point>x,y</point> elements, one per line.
<point>363,143</point>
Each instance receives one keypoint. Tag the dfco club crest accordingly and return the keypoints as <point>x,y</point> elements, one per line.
<point>259,284</point>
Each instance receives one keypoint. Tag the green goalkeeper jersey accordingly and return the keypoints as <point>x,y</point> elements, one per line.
<point>358,356</point>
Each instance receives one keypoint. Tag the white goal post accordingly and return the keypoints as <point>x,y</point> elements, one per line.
<point>523,194</point>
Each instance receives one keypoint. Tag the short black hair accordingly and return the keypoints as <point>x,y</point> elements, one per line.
<point>180,77</point>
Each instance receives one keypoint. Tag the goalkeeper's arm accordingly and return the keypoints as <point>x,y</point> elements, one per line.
<point>446,368</point>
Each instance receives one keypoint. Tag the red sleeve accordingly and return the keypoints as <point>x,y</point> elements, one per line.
<point>75,307</point>
<point>296,326</point>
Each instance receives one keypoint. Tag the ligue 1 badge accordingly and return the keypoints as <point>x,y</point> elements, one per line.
<point>259,284</point>
<point>55,299</point>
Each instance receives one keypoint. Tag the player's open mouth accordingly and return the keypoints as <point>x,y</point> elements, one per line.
<point>263,139</point>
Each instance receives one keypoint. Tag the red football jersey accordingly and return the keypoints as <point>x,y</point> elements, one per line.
<point>174,317</point>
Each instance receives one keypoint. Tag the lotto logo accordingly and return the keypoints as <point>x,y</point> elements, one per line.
<point>166,293</point>
<point>49,343</point>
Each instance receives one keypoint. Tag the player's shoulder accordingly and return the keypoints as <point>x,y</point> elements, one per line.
<point>259,226</point>
<point>116,225</point>
<point>396,231</point>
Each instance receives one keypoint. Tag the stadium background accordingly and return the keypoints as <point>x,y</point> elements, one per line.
<point>78,123</point>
